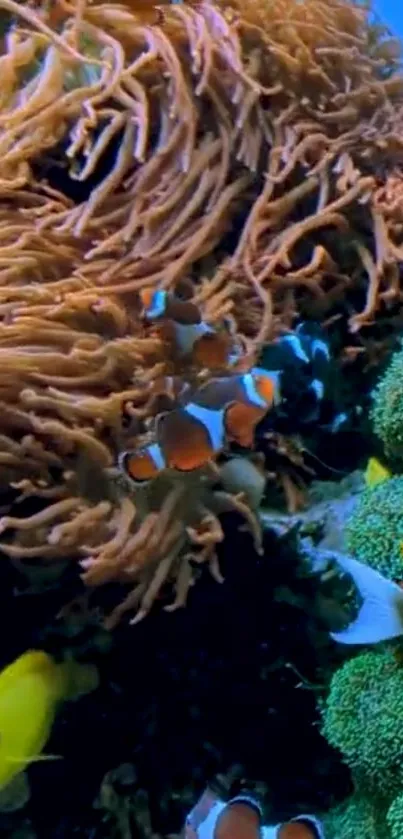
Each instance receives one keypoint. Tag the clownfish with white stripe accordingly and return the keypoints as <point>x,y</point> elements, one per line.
<point>304,358</point>
<point>193,338</point>
<point>245,398</point>
<point>191,435</point>
<point>242,818</point>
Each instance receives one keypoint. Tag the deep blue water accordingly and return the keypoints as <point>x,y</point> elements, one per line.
<point>391,13</point>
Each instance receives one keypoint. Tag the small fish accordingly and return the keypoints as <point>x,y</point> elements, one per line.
<point>191,436</point>
<point>161,304</point>
<point>380,617</point>
<point>304,361</point>
<point>245,398</point>
<point>144,464</point>
<point>188,437</point>
<point>303,827</point>
<point>240,819</point>
<point>31,689</point>
<point>376,472</point>
<point>194,338</point>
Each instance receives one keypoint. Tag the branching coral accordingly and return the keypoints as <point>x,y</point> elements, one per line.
<point>196,138</point>
<point>249,150</point>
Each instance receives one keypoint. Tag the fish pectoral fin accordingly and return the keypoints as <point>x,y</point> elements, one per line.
<point>16,794</point>
<point>34,759</point>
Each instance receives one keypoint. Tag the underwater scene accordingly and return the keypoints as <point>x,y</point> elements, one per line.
<point>201,420</point>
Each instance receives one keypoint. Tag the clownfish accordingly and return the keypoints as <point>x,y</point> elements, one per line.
<point>187,439</point>
<point>193,337</point>
<point>302,827</point>
<point>144,464</point>
<point>245,398</point>
<point>191,435</point>
<point>242,817</point>
<point>304,359</point>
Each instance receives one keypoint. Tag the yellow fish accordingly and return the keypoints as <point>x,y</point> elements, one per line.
<point>375,472</point>
<point>31,689</point>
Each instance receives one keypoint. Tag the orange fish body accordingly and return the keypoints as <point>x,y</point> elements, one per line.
<point>245,398</point>
<point>190,436</point>
<point>142,465</point>
<point>186,439</point>
<point>238,820</point>
<point>193,337</point>
<point>301,828</point>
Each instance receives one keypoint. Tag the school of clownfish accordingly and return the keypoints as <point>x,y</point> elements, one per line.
<point>227,408</point>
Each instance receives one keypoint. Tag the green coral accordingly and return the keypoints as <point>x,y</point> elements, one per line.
<point>394,817</point>
<point>363,718</point>
<point>374,532</point>
<point>359,816</point>
<point>387,411</point>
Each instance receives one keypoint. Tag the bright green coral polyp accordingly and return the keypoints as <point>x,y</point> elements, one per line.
<point>359,817</point>
<point>374,532</point>
<point>394,817</point>
<point>363,718</point>
<point>387,410</point>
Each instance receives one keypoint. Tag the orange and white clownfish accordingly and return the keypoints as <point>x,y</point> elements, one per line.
<point>246,398</point>
<point>187,438</point>
<point>303,827</point>
<point>242,818</point>
<point>142,465</point>
<point>193,337</point>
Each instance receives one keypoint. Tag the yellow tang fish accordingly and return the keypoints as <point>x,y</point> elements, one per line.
<point>375,472</point>
<point>31,689</point>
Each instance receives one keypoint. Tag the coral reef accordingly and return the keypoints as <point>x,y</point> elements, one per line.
<point>362,718</point>
<point>387,408</point>
<point>359,815</point>
<point>244,158</point>
<point>374,532</point>
<point>172,149</point>
<point>394,817</point>
<point>219,691</point>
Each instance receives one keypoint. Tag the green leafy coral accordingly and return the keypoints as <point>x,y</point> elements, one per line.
<point>363,718</point>
<point>394,817</point>
<point>358,816</point>
<point>374,532</point>
<point>387,410</point>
